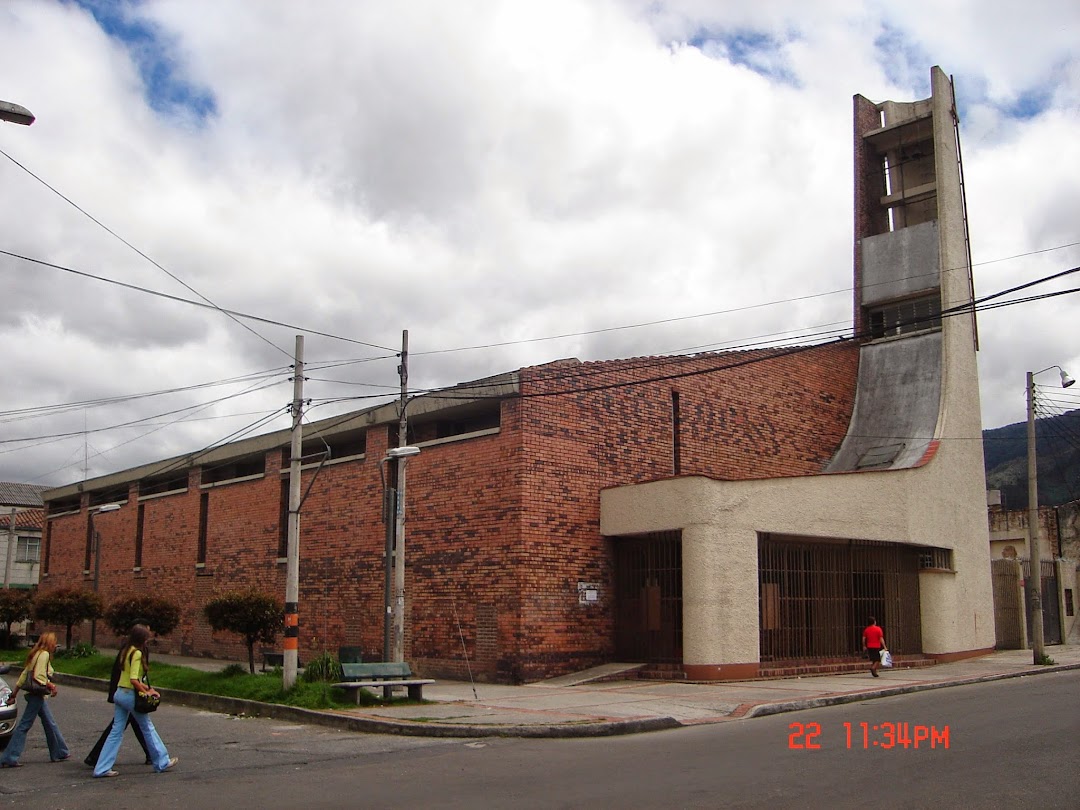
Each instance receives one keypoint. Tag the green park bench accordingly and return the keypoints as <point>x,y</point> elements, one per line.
<point>385,674</point>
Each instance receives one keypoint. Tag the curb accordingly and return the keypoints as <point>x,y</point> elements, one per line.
<point>766,709</point>
<point>370,725</point>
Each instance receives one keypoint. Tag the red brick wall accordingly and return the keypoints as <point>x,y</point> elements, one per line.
<point>500,528</point>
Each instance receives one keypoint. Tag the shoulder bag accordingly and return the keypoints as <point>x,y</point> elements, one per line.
<point>30,683</point>
<point>145,703</point>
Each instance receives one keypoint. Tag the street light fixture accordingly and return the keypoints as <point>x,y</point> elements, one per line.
<point>1038,651</point>
<point>96,537</point>
<point>395,603</point>
<point>15,113</point>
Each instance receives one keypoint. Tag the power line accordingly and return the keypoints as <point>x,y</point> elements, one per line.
<point>758,355</point>
<point>20,414</point>
<point>113,233</point>
<point>230,312</point>
<point>201,405</point>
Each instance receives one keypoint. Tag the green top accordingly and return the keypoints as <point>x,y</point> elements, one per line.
<point>41,667</point>
<point>133,669</point>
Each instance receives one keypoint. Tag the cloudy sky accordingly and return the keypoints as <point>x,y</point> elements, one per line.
<point>513,182</point>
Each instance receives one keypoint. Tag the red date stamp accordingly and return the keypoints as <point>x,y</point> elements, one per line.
<point>808,736</point>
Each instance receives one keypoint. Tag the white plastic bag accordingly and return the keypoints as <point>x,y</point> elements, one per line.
<point>886,658</point>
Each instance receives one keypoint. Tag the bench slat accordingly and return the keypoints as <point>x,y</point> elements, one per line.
<point>384,669</point>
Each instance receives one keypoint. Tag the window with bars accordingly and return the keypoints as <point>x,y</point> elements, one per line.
<point>905,317</point>
<point>939,559</point>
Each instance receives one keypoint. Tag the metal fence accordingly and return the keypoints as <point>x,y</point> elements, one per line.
<point>816,597</point>
<point>648,588</point>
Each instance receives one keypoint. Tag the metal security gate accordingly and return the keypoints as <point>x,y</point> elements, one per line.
<point>815,597</point>
<point>648,598</point>
<point>1051,607</point>
<point>1008,612</point>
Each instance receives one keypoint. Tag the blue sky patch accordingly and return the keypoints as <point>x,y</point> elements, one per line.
<point>759,51</point>
<point>904,64</point>
<point>1028,104</point>
<point>166,88</point>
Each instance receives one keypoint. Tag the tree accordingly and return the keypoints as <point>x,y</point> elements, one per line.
<point>253,615</point>
<point>161,615</point>
<point>68,607</point>
<point>16,605</point>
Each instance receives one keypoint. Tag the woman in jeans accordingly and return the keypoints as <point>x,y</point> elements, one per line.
<point>36,677</point>
<point>132,680</point>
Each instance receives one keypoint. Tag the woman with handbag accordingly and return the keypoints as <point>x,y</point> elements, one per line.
<point>132,688</point>
<point>36,681</point>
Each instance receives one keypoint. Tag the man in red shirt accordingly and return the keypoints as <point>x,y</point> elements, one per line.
<point>873,639</point>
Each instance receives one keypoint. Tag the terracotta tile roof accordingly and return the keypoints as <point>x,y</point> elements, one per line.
<point>30,519</point>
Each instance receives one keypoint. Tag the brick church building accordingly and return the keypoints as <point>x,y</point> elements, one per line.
<point>679,512</point>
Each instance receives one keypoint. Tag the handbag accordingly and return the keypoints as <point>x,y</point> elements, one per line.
<point>30,683</point>
<point>145,703</point>
<point>886,658</point>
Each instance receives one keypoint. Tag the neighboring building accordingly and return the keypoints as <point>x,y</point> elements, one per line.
<point>21,521</point>
<point>720,514</point>
<point>1009,531</point>
<point>1059,543</point>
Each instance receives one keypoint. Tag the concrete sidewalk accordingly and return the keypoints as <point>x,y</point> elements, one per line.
<point>575,706</point>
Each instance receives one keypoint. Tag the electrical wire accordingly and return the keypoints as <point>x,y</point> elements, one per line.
<point>114,234</point>
<point>178,299</point>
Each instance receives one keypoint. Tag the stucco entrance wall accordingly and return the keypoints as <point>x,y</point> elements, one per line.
<point>721,521</point>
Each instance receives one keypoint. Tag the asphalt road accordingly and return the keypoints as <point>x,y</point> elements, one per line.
<point>1011,744</point>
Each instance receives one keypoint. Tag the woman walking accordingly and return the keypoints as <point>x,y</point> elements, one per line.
<point>36,681</point>
<point>133,679</point>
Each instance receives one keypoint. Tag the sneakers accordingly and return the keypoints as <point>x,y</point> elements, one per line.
<point>108,774</point>
<point>172,762</point>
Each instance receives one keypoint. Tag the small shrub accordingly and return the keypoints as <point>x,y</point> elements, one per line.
<point>232,670</point>
<point>1046,661</point>
<point>323,668</point>
<point>16,605</point>
<point>251,614</point>
<point>67,607</point>
<point>161,615</point>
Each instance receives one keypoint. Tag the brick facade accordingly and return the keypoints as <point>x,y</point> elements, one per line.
<point>502,524</point>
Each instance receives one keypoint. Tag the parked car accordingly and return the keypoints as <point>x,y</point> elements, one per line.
<point>9,712</point>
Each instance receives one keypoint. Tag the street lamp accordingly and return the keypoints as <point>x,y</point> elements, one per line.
<point>397,607</point>
<point>96,537</point>
<point>1035,552</point>
<point>15,113</point>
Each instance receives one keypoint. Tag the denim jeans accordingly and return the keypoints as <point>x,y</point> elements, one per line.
<point>125,708</point>
<point>36,706</point>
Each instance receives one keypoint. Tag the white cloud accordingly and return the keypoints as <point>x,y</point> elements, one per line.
<point>482,172</point>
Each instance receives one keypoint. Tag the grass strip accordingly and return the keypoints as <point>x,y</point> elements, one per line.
<point>232,681</point>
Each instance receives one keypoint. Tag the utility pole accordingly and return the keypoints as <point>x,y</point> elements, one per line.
<point>11,545</point>
<point>292,561</point>
<point>1038,651</point>
<point>399,524</point>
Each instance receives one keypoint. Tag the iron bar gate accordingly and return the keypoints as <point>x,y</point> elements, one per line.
<point>1051,607</point>
<point>1008,612</point>
<point>815,597</point>
<point>648,598</point>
